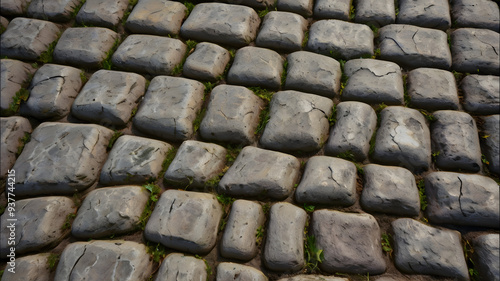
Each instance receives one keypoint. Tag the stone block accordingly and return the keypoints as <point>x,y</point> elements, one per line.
<point>14,7</point>
<point>491,144</point>
<point>375,12</point>
<point>13,129</point>
<point>14,76</point>
<point>256,4</point>
<point>432,89</point>
<point>481,94</point>
<point>29,268</point>
<point>101,13</point>
<point>301,7</point>
<point>309,277</point>
<point>425,13</point>
<point>487,254</point>
<point>282,31</point>
<point>207,62</point>
<point>58,11</point>
<point>178,267</point>
<point>476,13</point>
<point>157,17</point>
<point>475,51</point>
<point>228,271</point>
<point>332,9</point>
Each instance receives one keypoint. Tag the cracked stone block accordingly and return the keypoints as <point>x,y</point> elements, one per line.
<point>301,7</point>
<point>481,94</point>
<point>58,11</point>
<point>413,47</point>
<point>222,24</point>
<point>475,51</point>
<point>256,4</point>
<point>27,39</point>
<point>256,67</point>
<point>14,76</point>
<point>313,73</point>
<point>109,97</point>
<point>104,260</point>
<point>169,108</point>
<point>487,254</point>
<point>455,141</point>
<point>341,39</point>
<point>110,211</point>
<point>476,13</point>
<point>313,278</point>
<point>327,181</point>
<point>390,190</point>
<point>284,248</point>
<point>134,160</point>
<point>228,271</point>
<point>61,158</point>
<point>353,130</point>
<point>155,55</point>
<point>416,245</point>
<point>29,268</point>
<point>178,267</point>
<point>375,12</point>
<point>185,221</point>
<point>239,238</point>
<point>306,118</point>
<point>13,129</point>
<point>403,139</point>
<point>232,115</point>
<point>158,17</point>
<point>432,89</point>
<point>332,9</point>
<point>425,13</point>
<point>491,144</point>
<point>282,31</point>
<point>101,13</point>
<point>373,81</point>
<point>277,173</point>
<point>462,199</point>
<point>207,62</point>
<point>13,7</point>
<point>84,46</point>
<point>350,242</point>
<point>39,224</point>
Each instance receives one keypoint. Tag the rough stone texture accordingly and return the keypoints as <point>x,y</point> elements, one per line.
<point>258,172</point>
<point>414,47</point>
<point>391,190</point>
<point>34,234</point>
<point>301,7</point>
<point>313,73</point>
<point>327,181</point>
<point>239,239</point>
<point>58,11</point>
<point>101,13</point>
<point>425,13</point>
<point>350,242</point>
<point>14,75</point>
<point>158,17</point>
<point>29,268</point>
<point>110,211</point>
<point>475,51</point>
<point>169,108</point>
<point>332,9</point>
<point>432,89</point>
<point>487,254</point>
<point>282,31</point>
<point>185,221</point>
<point>61,159</point>
<point>416,245</point>
<point>3,22</point>
<point>313,278</point>
<point>228,271</point>
<point>207,62</point>
<point>462,199</point>
<point>13,7</point>
<point>306,118</point>
<point>150,54</point>
<point>284,248</point>
<point>84,46</point>
<point>27,38</point>
<point>104,260</point>
<point>340,39</point>
<point>178,267</point>
<point>209,22</point>
<point>375,12</point>
<point>13,130</point>
<point>403,139</point>
<point>257,67</point>
<point>476,13</point>
<point>373,81</point>
<point>455,138</point>
<point>491,145</point>
<point>353,130</point>
<point>232,115</point>
<point>134,160</point>
<point>481,94</point>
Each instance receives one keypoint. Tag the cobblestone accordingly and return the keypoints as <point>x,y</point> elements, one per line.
<point>30,268</point>
<point>157,17</point>
<point>14,75</point>
<point>427,13</point>
<point>282,31</point>
<point>178,267</point>
<point>475,50</point>
<point>207,62</point>
<point>491,147</point>
<point>476,13</point>
<point>375,12</point>
<point>13,129</point>
<point>100,13</point>
<point>487,255</point>
<point>481,94</point>
<point>59,11</point>
<point>432,89</point>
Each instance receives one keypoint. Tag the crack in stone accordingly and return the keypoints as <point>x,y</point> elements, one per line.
<point>399,46</point>
<point>78,260</point>
<point>460,197</point>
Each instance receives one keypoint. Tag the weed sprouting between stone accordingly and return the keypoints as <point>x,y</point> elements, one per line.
<point>52,261</point>
<point>106,63</point>
<point>313,255</point>
<point>22,142</point>
<point>148,209</point>
<point>386,244</point>
<point>68,222</point>
<point>208,267</point>
<point>189,6</point>
<point>259,235</point>
<point>113,139</point>
<point>421,194</point>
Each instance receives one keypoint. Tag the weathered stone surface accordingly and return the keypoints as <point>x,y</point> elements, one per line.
<point>327,181</point>
<point>491,145</point>
<point>228,271</point>
<point>178,267</point>
<point>13,7</point>
<point>185,221</point>
<point>414,47</point>
<point>39,224</point>
<point>169,108</point>
<point>61,159</point>
<point>475,51</point>
<point>27,38</point>
<point>301,7</point>
<point>403,139</point>
<point>158,17</point>
<point>487,254</point>
<point>29,268</point>
<point>14,75</point>
<point>416,245</point>
<point>462,199</point>
<point>256,4</point>
<point>210,22</point>
<point>284,249</point>
<point>432,89</point>
<point>375,12</point>
<point>455,141</point>
<point>207,62</point>
<point>476,13</point>
<point>353,130</point>
<point>13,130</point>
<point>332,9</point>
<point>257,67</point>
<point>104,260</point>
<point>350,242</point>
<point>306,118</point>
<point>282,31</point>
<point>313,278</point>
<point>425,13</point>
<point>101,13</point>
<point>59,11</point>
<point>481,94</point>
<point>261,173</point>
<point>3,22</point>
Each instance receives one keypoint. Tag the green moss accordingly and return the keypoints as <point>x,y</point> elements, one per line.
<point>21,96</point>
<point>189,6</point>
<point>47,56</point>
<point>113,139</point>
<point>106,63</point>
<point>22,142</point>
<point>421,194</point>
<point>69,220</point>
<point>283,74</point>
<point>52,261</point>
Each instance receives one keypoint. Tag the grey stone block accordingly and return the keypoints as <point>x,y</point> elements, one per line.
<point>207,62</point>
<point>277,173</point>
<point>301,7</point>
<point>101,13</point>
<point>353,130</point>
<point>13,7</point>
<point>313,278</point>
<point>282,31</point>
<point>3,22</point>
<point>178,267</point>
<point>158,17</point>
<point>491,145</point>
<point>327,181</point>
<point>29,268</point>
<point>475,51</point>
<point>462,199</point>
<point>169,108</point>
<point>14,75</point>
<point>58,11</point>
<point>350,242</point>
<point>228,271</point>
<point>481,94</point>
<point>256,4</point>
<point>416,245</point>
<point>432,89</point>
<point>150,54</point>
<point>476,13</point>
<point>414,47</point>
<point>306,119</point>
<point>284,248</point>
<point>13,130</point>
<point>487,254</point>
<point>375,12</point>
<point>425,13</point>
<point>27,39</point>
<point>185,221</point>
<point>332,9</point>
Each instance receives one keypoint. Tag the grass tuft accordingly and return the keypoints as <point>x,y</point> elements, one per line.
<point>113,139</point>
<point>189,6</point>
<point>386,244</point>
<point>148,209</point>
<point>313,255</point>
<point>22,142</point>
<point>69,220</point>
<point>421,194</point>
<point>106,63</point>
<point>52,261</point>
